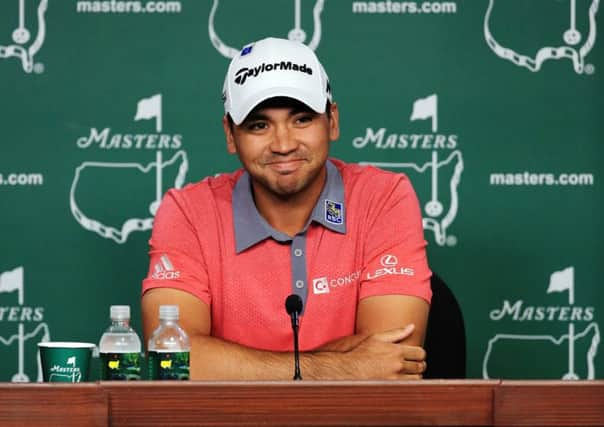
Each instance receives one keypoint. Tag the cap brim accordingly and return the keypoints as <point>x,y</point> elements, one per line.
<point>316,103</point>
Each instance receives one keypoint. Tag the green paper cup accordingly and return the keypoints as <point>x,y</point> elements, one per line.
<point>65,362</point>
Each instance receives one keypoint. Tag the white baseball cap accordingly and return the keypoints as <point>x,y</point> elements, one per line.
<point>274,67</point>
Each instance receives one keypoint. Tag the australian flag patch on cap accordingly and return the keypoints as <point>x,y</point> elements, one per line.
<point>334,212</point>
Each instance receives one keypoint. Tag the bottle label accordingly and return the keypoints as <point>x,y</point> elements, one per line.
<point>120,366</point>
<point>169,365</point>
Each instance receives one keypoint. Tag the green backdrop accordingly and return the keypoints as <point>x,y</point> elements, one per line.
<point>492,107</point>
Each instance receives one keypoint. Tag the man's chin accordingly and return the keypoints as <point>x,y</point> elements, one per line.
<point>283,189</point>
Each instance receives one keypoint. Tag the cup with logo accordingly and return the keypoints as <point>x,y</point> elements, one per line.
<point>65,362</point>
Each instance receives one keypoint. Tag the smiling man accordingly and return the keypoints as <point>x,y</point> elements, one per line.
<point>347,239</point>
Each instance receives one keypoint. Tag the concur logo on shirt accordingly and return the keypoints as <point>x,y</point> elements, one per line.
<point>324,285</point>
<point>320,285</point>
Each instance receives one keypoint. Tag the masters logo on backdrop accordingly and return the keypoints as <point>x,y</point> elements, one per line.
<point>21,328</point>
<point>131,191</point>
<point>221,37</point>
<point>571,39</point>
<point>25,21</point>
<point>575,349</point>
<point>436,177</point>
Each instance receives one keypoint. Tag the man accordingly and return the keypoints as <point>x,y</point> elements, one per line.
<point>347,239</point>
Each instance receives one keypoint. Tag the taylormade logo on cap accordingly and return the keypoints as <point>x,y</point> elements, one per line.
<point>243,73</point>
<point>272,68</point>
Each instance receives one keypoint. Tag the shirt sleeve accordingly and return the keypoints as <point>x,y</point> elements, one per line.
<point>175,256</point>
<point>395,261</point>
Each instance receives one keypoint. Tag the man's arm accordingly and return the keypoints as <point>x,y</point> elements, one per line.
<point>398,296</point>
<point>383,313</point>
<point>375,356</point>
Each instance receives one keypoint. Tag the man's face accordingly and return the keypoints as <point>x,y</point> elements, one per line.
<point>284,147</point>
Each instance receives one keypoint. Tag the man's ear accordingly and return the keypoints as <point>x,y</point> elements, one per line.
<point>334,122</point>
<point>228,133</point>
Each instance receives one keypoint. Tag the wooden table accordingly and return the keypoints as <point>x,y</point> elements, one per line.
<point>85,404</point>
<point>549,403</point>
<point>304,403</point>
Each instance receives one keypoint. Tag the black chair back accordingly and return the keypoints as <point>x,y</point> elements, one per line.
<point>445,341</point>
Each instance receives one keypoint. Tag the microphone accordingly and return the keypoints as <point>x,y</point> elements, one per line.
<point>293,306</point>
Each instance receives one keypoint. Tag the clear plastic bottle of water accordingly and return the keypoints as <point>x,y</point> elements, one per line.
<point>120,347</point>
<point>169,347</point>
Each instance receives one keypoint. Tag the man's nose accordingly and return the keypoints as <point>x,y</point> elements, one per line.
<point>283,140</point>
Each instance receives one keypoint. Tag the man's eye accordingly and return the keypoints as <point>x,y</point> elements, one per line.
<point>305,118</point>
<point>256,126</point>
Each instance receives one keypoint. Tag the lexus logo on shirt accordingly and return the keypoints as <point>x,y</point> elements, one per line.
<point>389,260</point>
<point>390,267</point>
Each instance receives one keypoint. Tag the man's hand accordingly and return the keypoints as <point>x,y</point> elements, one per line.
<point>382,356</point>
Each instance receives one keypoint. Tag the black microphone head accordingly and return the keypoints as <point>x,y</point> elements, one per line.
<point>293,304</point>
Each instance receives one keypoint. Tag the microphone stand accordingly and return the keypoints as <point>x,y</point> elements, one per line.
<point>297,375</point>
<point>293,306</point>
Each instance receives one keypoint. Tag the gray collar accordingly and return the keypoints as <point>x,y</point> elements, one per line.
<point>252,228</point>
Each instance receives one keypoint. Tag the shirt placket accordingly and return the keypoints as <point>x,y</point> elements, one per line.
<point>298,263</point>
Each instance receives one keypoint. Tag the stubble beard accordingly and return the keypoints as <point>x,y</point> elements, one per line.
<point>286,187</point>
<point>289,185</point>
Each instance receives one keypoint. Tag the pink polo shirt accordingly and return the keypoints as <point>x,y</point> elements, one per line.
<point>364,238</point>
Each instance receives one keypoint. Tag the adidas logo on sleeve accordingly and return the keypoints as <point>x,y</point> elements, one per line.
<point>164,269</point>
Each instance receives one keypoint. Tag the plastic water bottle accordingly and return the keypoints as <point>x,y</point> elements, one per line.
<point>120,347</point>
<point>169,347</point>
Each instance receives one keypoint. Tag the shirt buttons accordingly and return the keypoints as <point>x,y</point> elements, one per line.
<point>299,284</point>
<point>298,252</point>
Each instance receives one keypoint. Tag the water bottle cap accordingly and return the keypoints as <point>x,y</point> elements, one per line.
<point>119,312</point>
<point>168,312</point>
